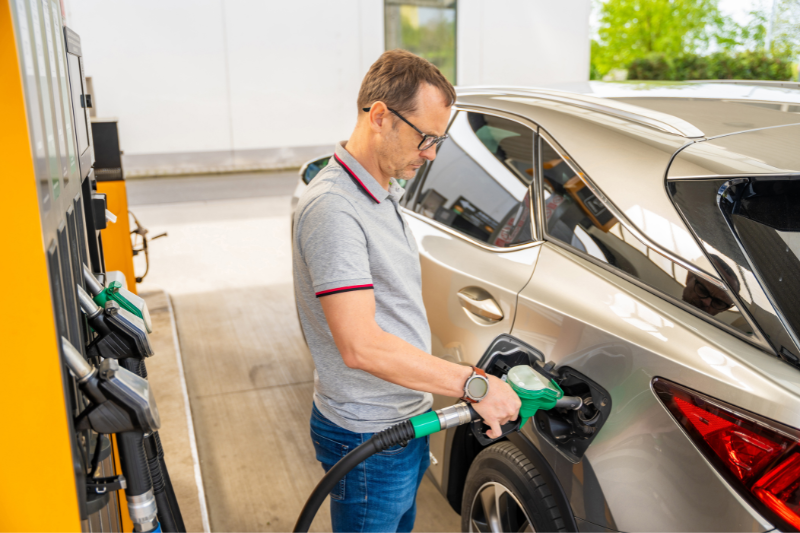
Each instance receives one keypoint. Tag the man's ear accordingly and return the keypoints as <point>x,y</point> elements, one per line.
<point>377,116</point>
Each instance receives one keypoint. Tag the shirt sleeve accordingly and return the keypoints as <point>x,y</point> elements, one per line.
<point>333,246</point>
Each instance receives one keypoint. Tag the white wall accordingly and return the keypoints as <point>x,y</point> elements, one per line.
<point>240,80</point>
<point>523,42</point>
<point>220,84</point>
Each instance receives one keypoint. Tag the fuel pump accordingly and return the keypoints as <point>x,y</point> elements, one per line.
<point>120,403</point>
<point>122,335</point>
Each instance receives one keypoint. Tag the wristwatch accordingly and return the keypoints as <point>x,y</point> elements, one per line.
<point>477,386</point>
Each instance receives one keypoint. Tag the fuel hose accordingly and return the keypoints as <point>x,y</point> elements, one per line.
<point>413,428</point>
<point>534,391</point>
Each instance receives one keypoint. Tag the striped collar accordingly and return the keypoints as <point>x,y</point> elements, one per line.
<point>363,178</point>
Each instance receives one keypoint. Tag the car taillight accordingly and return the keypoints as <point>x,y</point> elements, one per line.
<point>760,459</point>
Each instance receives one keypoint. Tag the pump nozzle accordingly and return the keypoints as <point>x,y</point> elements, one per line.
<point>87,304</point>
<point>79,366</point>
<point>94,286</point>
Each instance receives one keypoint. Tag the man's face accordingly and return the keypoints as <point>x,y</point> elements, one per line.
<point>705,296</point>
<point>397,148</point>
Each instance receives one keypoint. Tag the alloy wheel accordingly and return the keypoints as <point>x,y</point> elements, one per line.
<point>495,509</point>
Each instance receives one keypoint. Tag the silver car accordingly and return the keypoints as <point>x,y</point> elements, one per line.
<point>637,243</point>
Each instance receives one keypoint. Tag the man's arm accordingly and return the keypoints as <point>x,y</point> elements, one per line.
<point>365,346</point>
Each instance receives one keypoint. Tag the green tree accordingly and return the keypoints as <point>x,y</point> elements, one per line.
<point>631,29</point>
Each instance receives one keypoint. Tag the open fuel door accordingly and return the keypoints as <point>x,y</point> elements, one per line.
<point>569,430</point>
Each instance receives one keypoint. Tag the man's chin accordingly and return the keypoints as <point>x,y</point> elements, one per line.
<point>410,172</point>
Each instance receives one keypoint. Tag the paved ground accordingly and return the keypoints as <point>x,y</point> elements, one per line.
<point>164,376</point>
<point>227,266</point>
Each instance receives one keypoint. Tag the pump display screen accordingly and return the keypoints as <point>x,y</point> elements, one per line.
<point>76,83</point>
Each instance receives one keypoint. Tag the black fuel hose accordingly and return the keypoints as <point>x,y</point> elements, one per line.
<point>169,515</point>
<point>391,436</point>
<point>418,426</point>
<point>134,463</point>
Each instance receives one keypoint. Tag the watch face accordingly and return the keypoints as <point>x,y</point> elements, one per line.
<point>478,388</point>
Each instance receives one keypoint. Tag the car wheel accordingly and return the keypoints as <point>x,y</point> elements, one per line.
<point>504,492</point>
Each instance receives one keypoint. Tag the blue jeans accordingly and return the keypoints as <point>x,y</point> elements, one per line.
<point>380,494</point>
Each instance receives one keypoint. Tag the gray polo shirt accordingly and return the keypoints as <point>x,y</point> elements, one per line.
<point>348,236</point>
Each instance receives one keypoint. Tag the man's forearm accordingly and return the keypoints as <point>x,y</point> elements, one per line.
<point>392,359</point>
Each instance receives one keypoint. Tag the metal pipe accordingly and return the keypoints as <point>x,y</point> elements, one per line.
<point>569,402</point>
<point>94,286</point>
<point>75,361</point>
<point>87,304</point>
<point>454,415</point>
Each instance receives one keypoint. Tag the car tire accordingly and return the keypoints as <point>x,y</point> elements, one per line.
<point>504,492</point>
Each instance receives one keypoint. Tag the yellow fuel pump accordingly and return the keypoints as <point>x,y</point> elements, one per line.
<point>57,474</point>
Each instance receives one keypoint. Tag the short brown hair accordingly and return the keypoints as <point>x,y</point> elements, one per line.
<point>395,79</point>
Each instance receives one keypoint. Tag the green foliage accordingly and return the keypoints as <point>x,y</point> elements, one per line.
<point>717,66</point>
<point>631,29</point>
<point>435,41</point>
<point>690,39</point>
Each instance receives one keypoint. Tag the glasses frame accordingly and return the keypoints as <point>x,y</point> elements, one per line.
<point>431,140</point>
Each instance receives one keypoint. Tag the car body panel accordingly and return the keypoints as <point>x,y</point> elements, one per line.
<point>650,474</point>
<point>449,264</point>
<point>766,151</point>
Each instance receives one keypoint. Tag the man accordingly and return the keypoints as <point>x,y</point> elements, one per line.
<point>359,295</point>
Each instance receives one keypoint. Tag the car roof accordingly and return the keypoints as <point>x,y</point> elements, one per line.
<point>693,109</point>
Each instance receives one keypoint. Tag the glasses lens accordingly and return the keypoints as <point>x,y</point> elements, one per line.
<point>701,289</point>
<point>429,141</point>
<point>720,304</point>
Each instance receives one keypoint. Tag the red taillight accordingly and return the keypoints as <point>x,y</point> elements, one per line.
<point>742,451</point>
<point>760,457</point>
<point>778,489</point>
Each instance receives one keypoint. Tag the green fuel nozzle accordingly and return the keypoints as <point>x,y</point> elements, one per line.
<point>116,292</point>
<point>535,391</point>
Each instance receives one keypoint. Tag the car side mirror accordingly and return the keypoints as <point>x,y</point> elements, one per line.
<point>311,168</point>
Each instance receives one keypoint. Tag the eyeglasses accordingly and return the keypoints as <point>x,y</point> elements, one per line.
<point>427,140</point>
<point>702,291</point>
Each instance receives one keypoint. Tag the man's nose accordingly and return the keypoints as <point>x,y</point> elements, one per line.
<point>429,153</point>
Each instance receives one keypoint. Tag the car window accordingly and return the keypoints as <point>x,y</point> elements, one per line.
<point>314,168</point>
<point>479,182</point>
<point>576,217</point>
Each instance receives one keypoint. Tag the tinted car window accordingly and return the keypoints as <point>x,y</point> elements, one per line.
<point>314,168</point>
<point>479,182</point>
<point>576,217</point>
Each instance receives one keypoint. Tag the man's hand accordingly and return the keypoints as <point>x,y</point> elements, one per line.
<point>500,406</point>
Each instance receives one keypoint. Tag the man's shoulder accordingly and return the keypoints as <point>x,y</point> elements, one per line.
<point>327,195</point>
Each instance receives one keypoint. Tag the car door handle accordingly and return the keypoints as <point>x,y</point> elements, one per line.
<point>479,302</point>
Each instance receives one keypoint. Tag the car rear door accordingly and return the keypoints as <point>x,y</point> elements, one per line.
<point>471,215</point>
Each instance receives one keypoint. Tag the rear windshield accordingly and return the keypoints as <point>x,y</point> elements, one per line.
<point>764,215</point>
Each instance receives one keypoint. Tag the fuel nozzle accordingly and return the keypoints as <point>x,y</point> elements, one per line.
<point>121,403</point>
<point>121,400</point>
<point>120,333</point>
<point>116,291</point>
<point>538,392</point>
